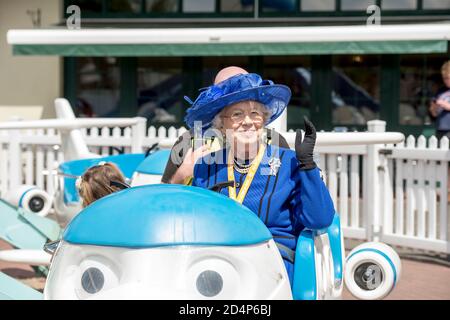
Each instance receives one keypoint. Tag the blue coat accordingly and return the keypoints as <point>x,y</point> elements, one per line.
<point>287,202</point>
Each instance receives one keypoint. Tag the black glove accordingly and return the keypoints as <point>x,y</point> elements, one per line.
<point>304,149</point>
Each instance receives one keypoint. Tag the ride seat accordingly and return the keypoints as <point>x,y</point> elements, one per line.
<point>318,266</point>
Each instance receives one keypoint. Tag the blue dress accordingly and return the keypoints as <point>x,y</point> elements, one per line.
<point>287,202</point>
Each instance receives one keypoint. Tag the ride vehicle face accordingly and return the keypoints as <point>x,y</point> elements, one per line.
<point>167,242</point>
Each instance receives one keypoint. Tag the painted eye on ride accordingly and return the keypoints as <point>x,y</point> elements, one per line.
<point>209,283</point>
<point>97,274</point>
<point>92,280</point>
<point>213,278</point>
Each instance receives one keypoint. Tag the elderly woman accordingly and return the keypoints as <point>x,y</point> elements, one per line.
<point>281,186</point>
<point>180,165</point>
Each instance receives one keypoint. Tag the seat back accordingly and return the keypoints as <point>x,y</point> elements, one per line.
<point>127,163</point>
<point>73,143</point>
<point>155,163</point>
<point>318,267</point>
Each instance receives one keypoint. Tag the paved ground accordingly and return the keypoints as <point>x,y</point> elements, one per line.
<point>21,272</point>
<point>419,279</point>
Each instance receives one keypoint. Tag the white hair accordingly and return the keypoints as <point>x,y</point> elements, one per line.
<point>217,122</point>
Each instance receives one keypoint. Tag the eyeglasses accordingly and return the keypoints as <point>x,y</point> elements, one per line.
<point>239,116</point>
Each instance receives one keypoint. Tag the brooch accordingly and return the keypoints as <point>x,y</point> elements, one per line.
<point>274,164</point>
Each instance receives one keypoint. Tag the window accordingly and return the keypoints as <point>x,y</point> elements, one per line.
<point>356,5</point>
<point>194,6</point>
<point>436,4</point>
<point>294,72</point>
<point>399,4</point>
<point>212,65</point>
<point>87,6</point>
<point>420,81</point>
<point>125,6</point>
<point>355,95</point>
<point>236,6</point>
<point>161,6</point>
<point>160,90</point>
<point>278,5</point>
<point>323,9</point>
<point>318,5</point>
<point>98,83</point>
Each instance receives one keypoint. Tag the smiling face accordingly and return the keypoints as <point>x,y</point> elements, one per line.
<point>172,272</point>
<point>243,123</point>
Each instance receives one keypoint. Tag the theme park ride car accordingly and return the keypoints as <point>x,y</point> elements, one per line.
<point>182,242</point>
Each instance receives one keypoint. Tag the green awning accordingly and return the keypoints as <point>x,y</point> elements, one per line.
<point>234,49</point>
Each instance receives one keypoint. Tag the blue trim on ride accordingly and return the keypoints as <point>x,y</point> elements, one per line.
<point>155,163</point>
<point>23,195</point>
<point>70,191</point>
<point>127,163</point>
<point>304,284</point>
<point>334,235</point>
<point>166,215</point>
<point>383,255</point>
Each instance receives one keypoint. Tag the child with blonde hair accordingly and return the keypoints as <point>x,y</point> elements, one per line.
<point>99,181</point>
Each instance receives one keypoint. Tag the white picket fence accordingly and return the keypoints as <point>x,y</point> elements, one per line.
<point>393,193</point>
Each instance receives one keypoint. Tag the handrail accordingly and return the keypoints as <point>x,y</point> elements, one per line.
<point>350,138</point>
<point>330,138</point>
<point>70,124</point>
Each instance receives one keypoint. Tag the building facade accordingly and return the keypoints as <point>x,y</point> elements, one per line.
<point>339,85</point>
<point>34,80</point>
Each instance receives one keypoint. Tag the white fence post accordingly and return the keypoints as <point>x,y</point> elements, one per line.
<point>443,191</point>
<point>280,124</point>
<point>138,133</point>
<point>410,194</point>
<point>14,159</point>
<point>373,196</point>
<point>431,191</point>
<point>420,191</point>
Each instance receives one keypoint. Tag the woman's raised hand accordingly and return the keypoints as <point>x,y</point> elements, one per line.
<point>186,169</point>
<point>192,156</point>
<point>304,149</point>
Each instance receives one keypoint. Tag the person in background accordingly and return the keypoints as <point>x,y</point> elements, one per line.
<point>99,181</point>
<point>440,109</point>
<point>440,104</point>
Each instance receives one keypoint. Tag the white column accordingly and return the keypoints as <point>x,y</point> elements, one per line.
<point>138,132</point>
<point>280,124</point>
<point>373,194</point>
<point>14,159</point>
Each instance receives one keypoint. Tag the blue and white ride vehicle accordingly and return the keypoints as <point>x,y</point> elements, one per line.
<point>182,242</point>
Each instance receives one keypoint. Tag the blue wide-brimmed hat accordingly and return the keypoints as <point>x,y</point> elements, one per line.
<point>241,87</point>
